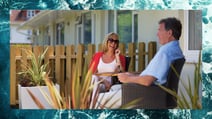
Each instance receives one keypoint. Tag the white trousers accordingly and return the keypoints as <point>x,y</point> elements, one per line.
<point>111,99</point>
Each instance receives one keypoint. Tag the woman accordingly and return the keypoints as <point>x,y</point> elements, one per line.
<point>109,60</point>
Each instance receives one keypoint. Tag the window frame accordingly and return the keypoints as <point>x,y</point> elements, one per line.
<point>191,56</point>
<point>30,13</point>
<point>59,33</point>
<point>80,26</point>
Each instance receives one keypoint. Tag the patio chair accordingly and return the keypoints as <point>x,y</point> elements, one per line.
<point>154,97</point>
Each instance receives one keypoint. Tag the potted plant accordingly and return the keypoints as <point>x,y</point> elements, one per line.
<point>32,81</point>
<point>79,97</point>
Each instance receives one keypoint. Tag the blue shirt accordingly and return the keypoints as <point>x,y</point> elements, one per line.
<point>160,64</point>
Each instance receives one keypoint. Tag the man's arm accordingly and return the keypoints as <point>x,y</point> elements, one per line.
<point>142,80</point>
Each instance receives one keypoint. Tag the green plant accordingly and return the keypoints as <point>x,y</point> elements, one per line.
<point>78,99</point>
<point>31,73</point>
<point>190,99</point>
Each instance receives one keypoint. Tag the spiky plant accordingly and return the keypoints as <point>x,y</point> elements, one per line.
<point>80,96</point>
<point>193,97</point>
<point>33,70</point>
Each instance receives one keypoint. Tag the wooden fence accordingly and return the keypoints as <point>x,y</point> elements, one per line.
<point>63,60</point>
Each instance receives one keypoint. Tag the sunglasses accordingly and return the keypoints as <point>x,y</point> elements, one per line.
<point>112,40</point>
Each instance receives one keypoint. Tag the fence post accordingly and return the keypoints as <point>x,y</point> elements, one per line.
<point>100,47</point>
<point>13,85</point>
<point>49,58</point>
<point>91,51</point>
<point>122,48</point>
<point>37,50</point>
<point>79,60</point>
<point>131,49</point>
<point>151,50</point>
<point>69,68</point>
<point>59,68</point>
<point>24,56</point>
<point>141,56</point>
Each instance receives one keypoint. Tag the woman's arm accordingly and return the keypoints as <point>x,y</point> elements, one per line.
<point>119,64</point>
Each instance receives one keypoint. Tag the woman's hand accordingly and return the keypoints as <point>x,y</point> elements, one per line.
<point>118,63</point>
<point>117,52</point>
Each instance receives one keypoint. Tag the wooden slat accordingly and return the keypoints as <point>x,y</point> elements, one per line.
<point>37,50</point>
<point>141,56</point>
<point>122,48</point>
<point>69,68</point>
<point>49,58</point>
<point>59,67</point>
<point>152,48</point>
<point>80,51</point>
<point>13,86</point>
<point>100,47</point>
<point>91,51</point>
<point>131,49</point>
<point>25,55</point>
<point>18,52</point>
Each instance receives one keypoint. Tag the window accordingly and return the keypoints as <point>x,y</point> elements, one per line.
<point>84,28</point>
<point>30,13</point>
<point>195,30</point>
<point>126,25</point>
<point>135,28</point>
<point>29,34</point>
<point>60,34</point>
<point>193,35</point>
<point>47,38</point>
<point>79,33</point>
<point>111,18</point>
<point>36,34</point>
<point>87,27</point>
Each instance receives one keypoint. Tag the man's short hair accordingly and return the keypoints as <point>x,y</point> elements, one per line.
<point>173,24</point>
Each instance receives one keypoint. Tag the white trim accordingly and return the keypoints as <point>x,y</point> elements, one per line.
<point>191,56</point>
<point>78,27</point>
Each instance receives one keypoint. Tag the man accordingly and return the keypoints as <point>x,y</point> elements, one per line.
<point>169,32</point>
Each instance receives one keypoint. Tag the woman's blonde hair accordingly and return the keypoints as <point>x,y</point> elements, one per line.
<point>104,43</point>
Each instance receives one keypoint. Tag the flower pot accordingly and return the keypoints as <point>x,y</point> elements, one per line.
<point>25,100</point>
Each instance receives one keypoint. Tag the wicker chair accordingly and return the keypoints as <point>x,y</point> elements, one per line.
<point>153,97</point>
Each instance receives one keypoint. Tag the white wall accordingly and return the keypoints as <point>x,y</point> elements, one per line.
<point>148,24</point>
<point>17,37</point>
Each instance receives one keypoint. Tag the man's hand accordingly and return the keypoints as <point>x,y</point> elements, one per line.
<point>124,77</point>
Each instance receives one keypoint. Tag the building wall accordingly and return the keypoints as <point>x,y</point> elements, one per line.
<point>148,24</point>
<point>17,37</point>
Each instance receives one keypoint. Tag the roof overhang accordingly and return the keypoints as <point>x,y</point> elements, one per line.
<point>45,17</point>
